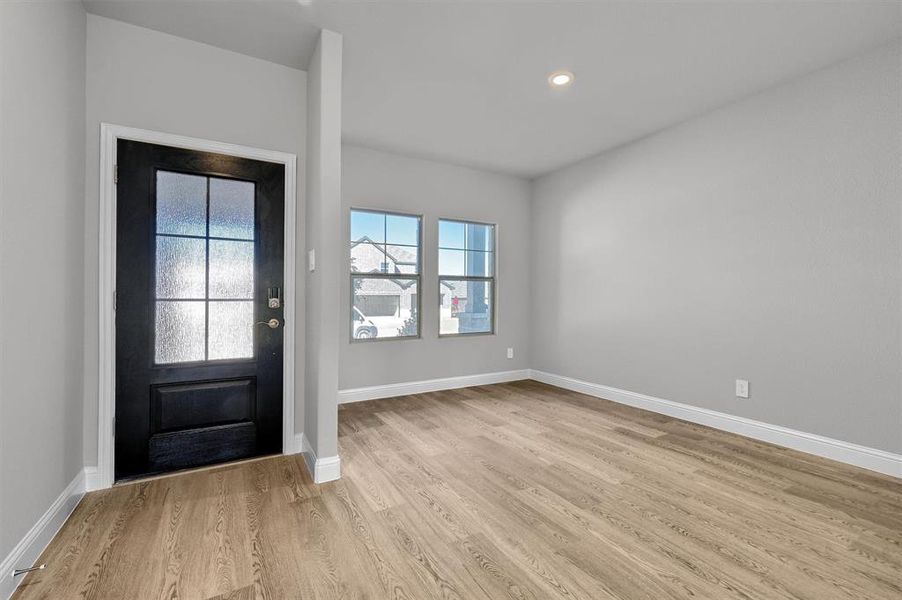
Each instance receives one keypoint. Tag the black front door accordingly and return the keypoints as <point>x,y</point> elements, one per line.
<point>199,263</point>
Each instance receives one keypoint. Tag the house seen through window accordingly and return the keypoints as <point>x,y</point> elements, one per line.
<point>466,269</point>
<point>385,275</point>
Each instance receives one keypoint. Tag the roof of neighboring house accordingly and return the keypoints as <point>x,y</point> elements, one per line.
<point>398,256</point>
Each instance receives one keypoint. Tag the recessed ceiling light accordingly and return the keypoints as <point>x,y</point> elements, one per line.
<point>560,78</point>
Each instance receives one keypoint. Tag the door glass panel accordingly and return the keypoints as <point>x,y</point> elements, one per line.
<point>181,204</point>
<point>195,272</point>
<point>231,330</point>
<point>231,209</point>
<point>181,266</point>
<point>231,269</point>
<point>180,331</point>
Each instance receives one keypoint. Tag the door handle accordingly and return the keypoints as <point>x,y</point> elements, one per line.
<point>272,323</point>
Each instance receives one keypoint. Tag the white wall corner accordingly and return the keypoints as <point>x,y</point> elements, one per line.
<point>30,547</point>
<point>300,442</point>
<point>376,392</point>
<point>872,459</point>
<point>323,469</point>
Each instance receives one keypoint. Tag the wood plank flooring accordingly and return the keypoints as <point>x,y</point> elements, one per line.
<point>518,490</point>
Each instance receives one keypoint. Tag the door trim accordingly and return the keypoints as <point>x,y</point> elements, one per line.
<point>109,135</point>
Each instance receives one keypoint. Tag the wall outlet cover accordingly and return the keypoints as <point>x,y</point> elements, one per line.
<point>742,388</point>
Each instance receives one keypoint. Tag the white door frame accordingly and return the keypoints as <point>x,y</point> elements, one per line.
<point>109,135</point>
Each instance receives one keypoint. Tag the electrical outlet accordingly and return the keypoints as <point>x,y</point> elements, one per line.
<point>311,260</point>
<point>510,352</point>
<point>742,388</point>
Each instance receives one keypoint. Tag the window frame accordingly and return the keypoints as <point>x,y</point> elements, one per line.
<point>418,276</point>
<point>493,279</point>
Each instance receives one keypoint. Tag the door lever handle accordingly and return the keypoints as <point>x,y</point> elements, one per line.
<point>272,323</point>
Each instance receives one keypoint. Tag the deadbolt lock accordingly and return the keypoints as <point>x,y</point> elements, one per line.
<point>275,297</point>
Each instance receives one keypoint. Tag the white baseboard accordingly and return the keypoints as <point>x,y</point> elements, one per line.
<point>323,469</point>
<point>30,547</point>
<point>845,452</point>
<point>92,479</point>
<point>391,390</point>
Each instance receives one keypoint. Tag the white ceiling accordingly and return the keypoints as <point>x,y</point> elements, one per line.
<point>465,82</point>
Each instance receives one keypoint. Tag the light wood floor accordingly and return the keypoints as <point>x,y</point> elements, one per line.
<point>518,490</point>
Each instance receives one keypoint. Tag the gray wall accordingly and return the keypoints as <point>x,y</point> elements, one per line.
<point>142,78</point>
<point>760,241</point>
<point>378,180</point>
<point>42,150</point>
<point>323,208</point>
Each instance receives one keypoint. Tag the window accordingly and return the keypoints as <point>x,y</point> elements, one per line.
<point>385,275</point>
<point>204,288</point>
<point>466,277</point>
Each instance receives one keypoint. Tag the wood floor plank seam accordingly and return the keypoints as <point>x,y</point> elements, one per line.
<point>517,490</point>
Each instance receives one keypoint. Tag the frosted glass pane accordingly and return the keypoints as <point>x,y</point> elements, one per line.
<point>231,209</point>
<point>179,332</point>
<point>181,203</point>
<point>181,267</point>
<point>232,330</point>
<point>231,269</point>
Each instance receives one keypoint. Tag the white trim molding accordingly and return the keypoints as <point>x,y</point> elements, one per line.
<point>323,469</point>
<point>30,547</point>
<point>873,459</point>
<point>92,479</point>
<point>391,390</point>
<point>109,135</point>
